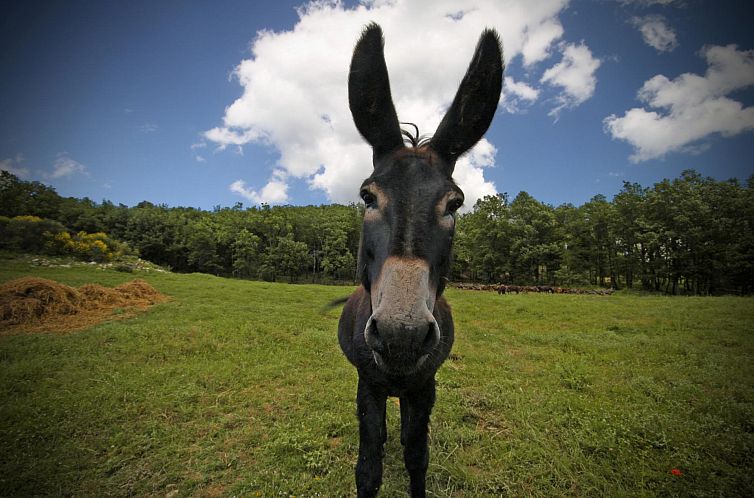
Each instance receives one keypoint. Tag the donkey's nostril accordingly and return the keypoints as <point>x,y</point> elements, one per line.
<point>428,339</point>
<point>372,336</point>
<point>431,339</point>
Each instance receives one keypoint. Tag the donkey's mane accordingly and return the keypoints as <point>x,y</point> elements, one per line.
<point>416,141</point>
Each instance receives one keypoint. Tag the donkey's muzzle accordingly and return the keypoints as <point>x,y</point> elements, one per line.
<point>402,332</point>
<point>401,348</point>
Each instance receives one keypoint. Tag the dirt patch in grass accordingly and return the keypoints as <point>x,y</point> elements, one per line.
<point>31,304</point>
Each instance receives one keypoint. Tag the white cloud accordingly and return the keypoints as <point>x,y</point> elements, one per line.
<point>689,107</point>
<point>65,166</point>
<point>539,40</point>
<point>469,173</point>
<point>14,166</point>
<point>516,93</point>
<point>295,82</point>
<point>275,192</point>
<point>574,74</point>
<point>656,33</point>
<point>198,145</point>
<point>148,128</point>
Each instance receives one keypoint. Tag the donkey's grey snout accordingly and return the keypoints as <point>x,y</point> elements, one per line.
<point>401,346</point>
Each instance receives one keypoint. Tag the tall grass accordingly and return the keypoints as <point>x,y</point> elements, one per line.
<point>239,388</point>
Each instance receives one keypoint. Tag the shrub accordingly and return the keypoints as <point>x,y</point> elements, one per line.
<point>124,267</point>
<point>97,246</point>
<point>36,235</point>
<point>27,233</point>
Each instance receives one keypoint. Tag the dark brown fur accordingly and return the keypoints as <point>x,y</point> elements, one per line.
<point>397,329</point>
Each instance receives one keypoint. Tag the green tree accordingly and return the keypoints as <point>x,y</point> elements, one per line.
<point>21,198</point>
<point>575,266</point>
<point>337,259</point>
<point>245,254</point>
<point>202,249</point>
<point>599,216</point>
<point>482,242</point>
<point>628,229</point>
<point>286,257</point>
<point>536,247</point>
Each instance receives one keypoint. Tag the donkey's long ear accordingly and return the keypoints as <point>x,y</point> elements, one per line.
<point>475,103</point>
<point>369,94</point>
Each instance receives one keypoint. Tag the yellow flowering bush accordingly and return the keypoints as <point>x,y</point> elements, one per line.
<point>27,218</point>
<point>91,246</point>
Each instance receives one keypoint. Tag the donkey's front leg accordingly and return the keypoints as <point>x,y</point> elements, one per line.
<point>414,426</point>
<point>370,402</point>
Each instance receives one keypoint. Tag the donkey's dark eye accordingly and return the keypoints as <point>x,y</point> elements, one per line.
<point>369,199</point>
<point>454,204</point>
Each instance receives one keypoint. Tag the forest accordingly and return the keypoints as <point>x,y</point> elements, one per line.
<point>688,235</point>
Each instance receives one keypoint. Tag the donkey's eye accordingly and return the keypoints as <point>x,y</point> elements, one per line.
<point>369,199</point>
<point>454,204</point>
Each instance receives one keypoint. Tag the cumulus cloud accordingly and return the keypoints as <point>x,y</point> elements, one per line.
<point>516,94</point>
<point>689,108</point>
<point>539,39</point>
<point>65,166</point>
<point>275,192</point>
<point>470,175</point>
<point>14,166</point>
<point>294,84</point>
<point>574,74</point>
<point>656,33</point>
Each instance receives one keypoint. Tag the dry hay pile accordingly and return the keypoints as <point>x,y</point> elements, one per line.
<point>32,304</point>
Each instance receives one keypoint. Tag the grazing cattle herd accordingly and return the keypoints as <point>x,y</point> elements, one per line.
<point>518,289</point>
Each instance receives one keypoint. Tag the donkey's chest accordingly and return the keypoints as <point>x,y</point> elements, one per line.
<point>397,386</point>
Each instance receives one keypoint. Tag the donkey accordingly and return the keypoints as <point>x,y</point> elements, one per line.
<point>396,328</point>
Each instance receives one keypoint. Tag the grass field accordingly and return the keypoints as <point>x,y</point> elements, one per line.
<point>239,388</point>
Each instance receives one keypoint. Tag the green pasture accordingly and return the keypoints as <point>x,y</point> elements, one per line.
<point>238,388</point>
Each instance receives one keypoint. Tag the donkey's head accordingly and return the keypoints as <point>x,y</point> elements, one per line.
<point>411,199</point>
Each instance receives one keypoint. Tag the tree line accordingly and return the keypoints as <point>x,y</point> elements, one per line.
<point>690,235</point>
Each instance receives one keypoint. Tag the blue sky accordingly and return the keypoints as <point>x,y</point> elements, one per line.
<point>203,104</point>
